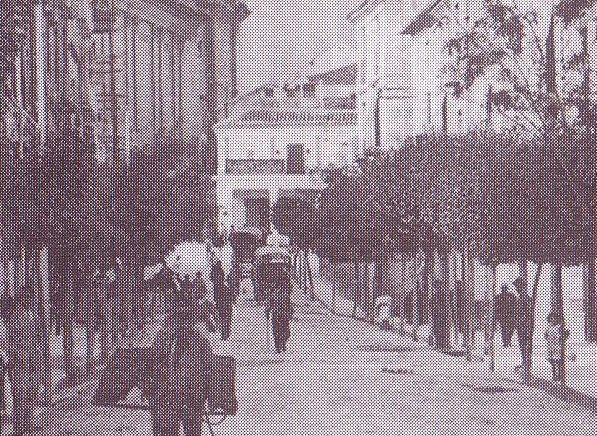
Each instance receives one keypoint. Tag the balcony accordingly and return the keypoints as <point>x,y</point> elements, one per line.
<point>255,166</point>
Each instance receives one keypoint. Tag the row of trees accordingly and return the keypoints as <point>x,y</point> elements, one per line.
<point>65,216</point>
<point>525,194</point>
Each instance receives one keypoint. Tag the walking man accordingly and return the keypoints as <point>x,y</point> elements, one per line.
<point>280,306</point>
<point>439,315</point>
<point>224,298</point>
<point>505,313</point>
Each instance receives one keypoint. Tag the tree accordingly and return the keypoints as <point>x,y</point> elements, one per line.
<point>539,97</point>
<point>298,219</point>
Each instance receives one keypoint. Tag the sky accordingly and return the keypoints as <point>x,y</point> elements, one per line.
<point>279,38</point>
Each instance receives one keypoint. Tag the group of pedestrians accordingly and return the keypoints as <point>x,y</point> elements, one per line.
<point>514,313</point>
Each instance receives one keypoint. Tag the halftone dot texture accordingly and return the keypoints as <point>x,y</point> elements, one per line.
<point>422,155</point>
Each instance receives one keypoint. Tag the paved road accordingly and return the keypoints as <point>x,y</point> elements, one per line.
<point>341,377</point>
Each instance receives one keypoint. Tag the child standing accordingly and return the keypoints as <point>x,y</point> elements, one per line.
<point>555,342</point>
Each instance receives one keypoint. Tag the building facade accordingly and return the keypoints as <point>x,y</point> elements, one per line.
<point>163,73</point>
<point>411,75</point>
<point>277,146</point>
<point>384,84</point>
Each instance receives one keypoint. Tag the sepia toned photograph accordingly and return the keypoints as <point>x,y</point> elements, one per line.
<point>298,217</point>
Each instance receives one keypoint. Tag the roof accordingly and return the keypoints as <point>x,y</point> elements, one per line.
<point>298,117</point>
<point>346,75</point>
<point>422,20</point>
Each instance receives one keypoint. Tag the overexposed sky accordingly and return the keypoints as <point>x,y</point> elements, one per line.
<point>279,38</point>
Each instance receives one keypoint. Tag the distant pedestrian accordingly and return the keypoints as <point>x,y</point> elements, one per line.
<point>56,310</point>
<point>524,319</point>
<point>280,306</point>
<point>223,297</point>
<point>383,309</point>
<point>555,343</point>
<point>505,307</point>
<point>459,307</point>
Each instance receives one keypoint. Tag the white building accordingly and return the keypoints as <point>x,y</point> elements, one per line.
<point>276,147</point>
<point>406,83</point>
<point>384,86</point>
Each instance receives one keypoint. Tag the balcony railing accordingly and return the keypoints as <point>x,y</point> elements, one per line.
<point>255,166</point>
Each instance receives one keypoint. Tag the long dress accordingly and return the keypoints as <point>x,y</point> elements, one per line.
<point>178,388</point>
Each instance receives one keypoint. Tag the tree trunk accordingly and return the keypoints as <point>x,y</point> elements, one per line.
<point>368,299</point>
<point>305,273</point>
<point>445,268</point>
<point>68,340</point>
<point>416,302</point>
<point>403,294</point>
<point>310,278</point>
<point>43,293</point>
<point>468,284</point>
<point>90,328</point>
<point>529,363</point>
<point>299,270</point>
<point>107,325</point>
<point>334,285</point>
<point>356,287</point>
<point>490,332</point>
<point>590,297</point>
<point>426,284</point>
<point>557,305</point>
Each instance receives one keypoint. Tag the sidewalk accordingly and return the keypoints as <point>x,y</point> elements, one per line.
<point>582,356</point>
<point>343,377</point>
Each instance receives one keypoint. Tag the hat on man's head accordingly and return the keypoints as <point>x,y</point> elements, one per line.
<point>518,283</point>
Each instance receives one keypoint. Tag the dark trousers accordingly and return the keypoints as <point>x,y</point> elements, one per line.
<point>524,340</point>
<point>191,419</point>
<point>281,330</point>
<point>507,333</point>
<point>225,315</point>
<point>556,369</point>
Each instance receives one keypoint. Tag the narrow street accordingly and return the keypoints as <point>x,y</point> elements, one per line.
<point>342,377</point>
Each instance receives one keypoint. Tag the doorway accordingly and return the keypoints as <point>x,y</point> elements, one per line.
<point>257,213</point>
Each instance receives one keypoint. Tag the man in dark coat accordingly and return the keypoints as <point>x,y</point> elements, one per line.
<point>224,298</point>
<point>280,307</point>
<point>523,319</point>
<point>505,306</point>
<point>177,386</point>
